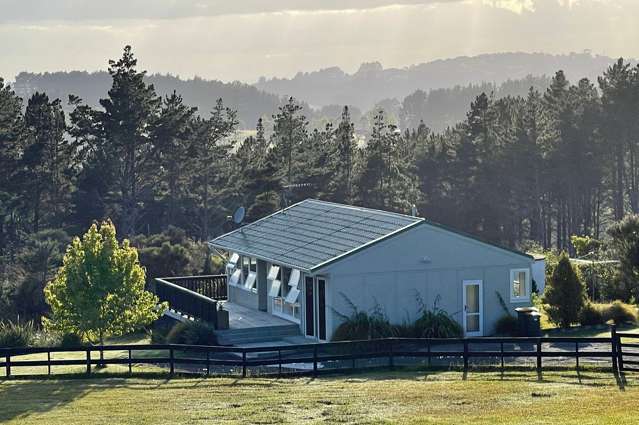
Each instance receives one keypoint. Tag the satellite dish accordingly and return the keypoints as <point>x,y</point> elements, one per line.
<point>238,215</point>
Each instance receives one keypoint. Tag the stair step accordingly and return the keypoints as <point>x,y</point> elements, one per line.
<point>260,334</point>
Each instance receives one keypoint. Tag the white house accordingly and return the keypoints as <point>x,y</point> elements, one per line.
<point>307,262</point>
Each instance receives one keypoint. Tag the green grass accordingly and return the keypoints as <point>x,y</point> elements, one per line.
<point>382,397</point>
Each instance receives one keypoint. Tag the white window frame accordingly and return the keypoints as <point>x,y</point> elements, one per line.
<point>527,286</point>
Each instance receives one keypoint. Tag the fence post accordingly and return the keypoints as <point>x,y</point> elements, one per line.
<point>619,354</point>
<point>315,360</point>
<point>577,354</point>
<point>130,365</point>
<point>279,359</point>
<point>391,360</point>
<point>539,358</point>
<point>502,355</point>
<point>208,363</point>
<point>353,354</point>
<point>49,363</point>
<point>429,353</point>
<point>171,361</point>
<point>8,365</point>
<point>613,346</point>
<point>465,357</point>
<point>88,362</point>
<point>243,364</point>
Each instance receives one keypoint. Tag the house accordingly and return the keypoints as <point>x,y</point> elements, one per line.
<point>307,263</point>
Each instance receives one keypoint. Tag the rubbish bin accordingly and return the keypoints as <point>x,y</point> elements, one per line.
<point>528,321</point>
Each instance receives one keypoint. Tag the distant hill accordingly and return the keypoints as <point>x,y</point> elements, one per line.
<point>372,83</point>
<point>249,101</point>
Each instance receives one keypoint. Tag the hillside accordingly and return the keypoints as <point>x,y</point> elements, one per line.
<point>372,82</point>
<point>249,101</point>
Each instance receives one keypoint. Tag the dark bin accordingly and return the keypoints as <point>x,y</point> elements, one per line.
<point>528,321</point>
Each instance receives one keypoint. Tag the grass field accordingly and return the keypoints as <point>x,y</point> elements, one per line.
<point>382,397</point>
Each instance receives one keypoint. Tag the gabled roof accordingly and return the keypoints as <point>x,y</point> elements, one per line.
<point>311,233</point>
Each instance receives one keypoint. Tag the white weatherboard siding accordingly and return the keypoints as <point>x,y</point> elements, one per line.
<point>392,272</point>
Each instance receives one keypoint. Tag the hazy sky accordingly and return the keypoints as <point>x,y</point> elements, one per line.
<point>244,39</point>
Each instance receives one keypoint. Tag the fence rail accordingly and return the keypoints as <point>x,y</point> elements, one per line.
<point>327,357</point>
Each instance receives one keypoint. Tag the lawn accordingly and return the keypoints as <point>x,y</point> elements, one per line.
<point>380,397</point>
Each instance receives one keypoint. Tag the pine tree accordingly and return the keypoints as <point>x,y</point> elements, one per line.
<point>46,162</point>
<point>342,161</point>
<point>130,110</point>
<point>289,135</point>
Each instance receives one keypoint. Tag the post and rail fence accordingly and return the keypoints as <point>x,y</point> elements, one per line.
<point>333,357</point>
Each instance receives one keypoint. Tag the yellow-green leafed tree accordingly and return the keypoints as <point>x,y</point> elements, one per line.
<point>99,290</point>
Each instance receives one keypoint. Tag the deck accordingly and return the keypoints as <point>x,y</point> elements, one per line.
<point>241,317</point>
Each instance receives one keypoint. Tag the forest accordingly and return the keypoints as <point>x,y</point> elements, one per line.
<point>520,171</point>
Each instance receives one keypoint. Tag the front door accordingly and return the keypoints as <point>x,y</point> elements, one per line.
<point>473,308</point>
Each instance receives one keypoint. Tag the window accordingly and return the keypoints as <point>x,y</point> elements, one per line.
<point>519,285</point>
<point>232,263</point>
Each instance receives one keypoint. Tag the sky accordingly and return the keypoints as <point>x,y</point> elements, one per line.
<point>245,39</point>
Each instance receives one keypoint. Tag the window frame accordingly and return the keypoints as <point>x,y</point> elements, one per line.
<point>527,286</point>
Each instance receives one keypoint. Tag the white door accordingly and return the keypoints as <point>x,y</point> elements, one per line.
<point>473,308</point>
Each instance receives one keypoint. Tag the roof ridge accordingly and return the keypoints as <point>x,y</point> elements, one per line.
<point>357,207</point>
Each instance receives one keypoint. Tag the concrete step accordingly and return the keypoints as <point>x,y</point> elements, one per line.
<point>255,335</point>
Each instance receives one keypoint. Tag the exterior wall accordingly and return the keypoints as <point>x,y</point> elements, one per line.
<point>428,261</point>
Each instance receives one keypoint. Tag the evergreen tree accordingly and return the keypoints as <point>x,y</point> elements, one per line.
<point>342,161</point>
<point>564,294</point>
<point>46,166</point>
<point>130,111</point>
<point>289,135</point>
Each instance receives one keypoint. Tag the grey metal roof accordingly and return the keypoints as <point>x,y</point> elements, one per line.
<point>311,233</point>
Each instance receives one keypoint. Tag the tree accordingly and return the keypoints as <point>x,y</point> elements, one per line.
<point>289,134</point>
<point>342,161</point>
<point>99,290</point>
<point>564,294</point>
<point>130,110</point>
<point>625,243</point>
<point>46,162</point>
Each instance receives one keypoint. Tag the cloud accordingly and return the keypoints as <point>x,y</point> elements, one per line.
<point>245,46</point>
<point>33,10</point>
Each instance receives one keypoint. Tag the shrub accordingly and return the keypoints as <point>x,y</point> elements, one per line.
<point>564,294</point>
<point>17,334</point>
<point>361,325</point>
<point>620,313</point>
<point>592,314</point>
<point>192,333</point>
<point>437,323</point>
<point>506,325</point>
<point>71,340</point>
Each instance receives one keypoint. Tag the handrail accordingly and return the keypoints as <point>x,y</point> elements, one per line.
<point>186,302</point>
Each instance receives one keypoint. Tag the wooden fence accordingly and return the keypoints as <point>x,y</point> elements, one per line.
<point>329,357</point>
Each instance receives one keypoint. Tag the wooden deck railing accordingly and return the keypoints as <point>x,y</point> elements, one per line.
<point>186,302</point>
<point>211,286</point>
